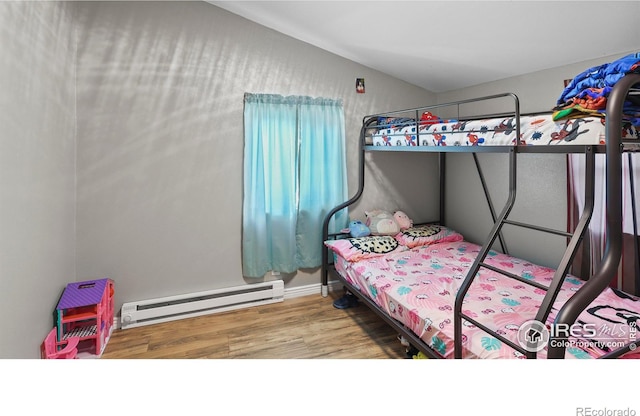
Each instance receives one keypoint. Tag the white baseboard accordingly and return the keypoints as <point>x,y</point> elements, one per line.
<point>314,289</point>
<point>289,293</point>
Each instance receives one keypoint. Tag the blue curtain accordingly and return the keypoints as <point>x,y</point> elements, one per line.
<point>294,174</point>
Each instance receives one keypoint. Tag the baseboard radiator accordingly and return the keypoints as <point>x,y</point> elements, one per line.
<point>152,311</point>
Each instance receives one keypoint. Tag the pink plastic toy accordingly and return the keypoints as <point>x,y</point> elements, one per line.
<point>85,310</point>
<point>403,220</point>
<point>50,349</point>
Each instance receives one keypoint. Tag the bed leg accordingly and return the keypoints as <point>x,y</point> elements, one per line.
<point>325,291</point>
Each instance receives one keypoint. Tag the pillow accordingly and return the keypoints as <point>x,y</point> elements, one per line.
<point>381,222</point>
<point>355,249</point>
<point>424,235</point>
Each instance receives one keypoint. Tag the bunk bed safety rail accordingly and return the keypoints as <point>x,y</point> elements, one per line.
<point>457,104</point>
<point>413,116</point>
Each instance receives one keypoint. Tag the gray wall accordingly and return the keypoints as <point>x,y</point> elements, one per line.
<point>160,96</point>
<point>37,170</point>
<point>542,179</point>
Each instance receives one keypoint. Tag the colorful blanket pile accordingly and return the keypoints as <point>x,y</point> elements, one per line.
<point>586,94</point>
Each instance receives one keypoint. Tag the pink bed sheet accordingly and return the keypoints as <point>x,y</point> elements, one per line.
<point>418,288</point>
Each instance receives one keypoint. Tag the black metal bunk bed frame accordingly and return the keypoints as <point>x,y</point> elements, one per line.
<point>614,149</point>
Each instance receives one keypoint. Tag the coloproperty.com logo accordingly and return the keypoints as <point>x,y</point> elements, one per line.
<point>534,336</point>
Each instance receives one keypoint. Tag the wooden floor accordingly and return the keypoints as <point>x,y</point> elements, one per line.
<point>303,327</point>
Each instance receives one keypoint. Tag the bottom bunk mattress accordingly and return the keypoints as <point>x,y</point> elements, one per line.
<point>418,286</point>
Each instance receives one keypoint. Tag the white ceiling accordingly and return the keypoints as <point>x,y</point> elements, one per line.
<point>447,45</point>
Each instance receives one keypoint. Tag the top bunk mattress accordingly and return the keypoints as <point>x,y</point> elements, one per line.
<point>417,287</point>
<point>535,130</point>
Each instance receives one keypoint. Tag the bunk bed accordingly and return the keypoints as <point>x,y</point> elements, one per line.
<point>451,298</point>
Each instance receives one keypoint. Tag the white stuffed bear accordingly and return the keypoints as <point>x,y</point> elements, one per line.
<point>381,223</point>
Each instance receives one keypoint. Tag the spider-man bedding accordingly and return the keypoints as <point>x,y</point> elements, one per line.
<point>534,130</point>
<point>417,286</point>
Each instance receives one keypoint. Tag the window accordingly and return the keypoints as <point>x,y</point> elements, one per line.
<point>294,174</point>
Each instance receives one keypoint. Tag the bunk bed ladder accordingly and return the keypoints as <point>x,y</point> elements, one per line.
<point>552,291</point>
<point>479,262</point>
